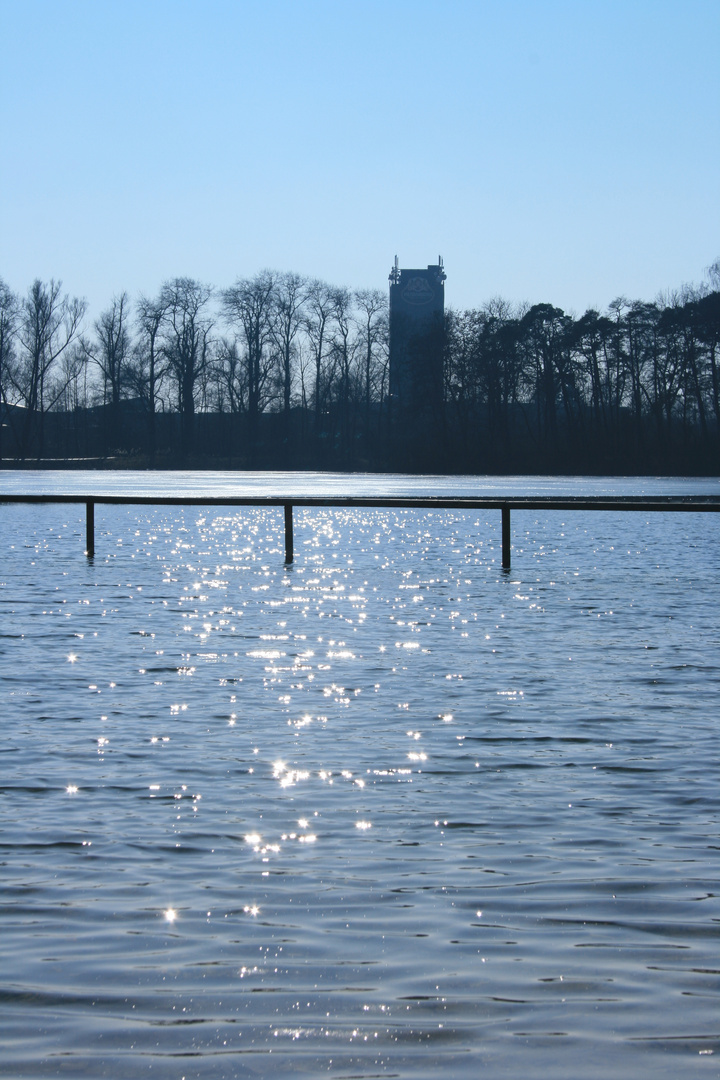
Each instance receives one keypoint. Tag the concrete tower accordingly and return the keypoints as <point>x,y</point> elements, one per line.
<point>417,313</point>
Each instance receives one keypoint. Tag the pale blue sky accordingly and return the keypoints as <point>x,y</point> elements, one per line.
<point>551,151</point>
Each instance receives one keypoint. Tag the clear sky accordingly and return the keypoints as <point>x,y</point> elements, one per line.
<point>566,152</point>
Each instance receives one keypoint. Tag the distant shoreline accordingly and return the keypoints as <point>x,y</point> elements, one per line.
<point>200,463</point>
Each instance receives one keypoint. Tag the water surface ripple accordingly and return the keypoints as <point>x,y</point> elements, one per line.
<point>390,812</point>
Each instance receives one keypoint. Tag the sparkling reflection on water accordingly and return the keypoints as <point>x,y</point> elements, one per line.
<point>389,812</point>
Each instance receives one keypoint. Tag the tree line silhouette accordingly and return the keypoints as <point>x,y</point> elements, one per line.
<point>281,371</point>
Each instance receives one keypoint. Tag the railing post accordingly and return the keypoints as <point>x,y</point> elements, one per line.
<point>288,534</point>
<point>506,545</point>
<point>90,528</point>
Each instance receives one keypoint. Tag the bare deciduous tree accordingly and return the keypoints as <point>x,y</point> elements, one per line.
<point>186,345</point>
<point>290,296</point>
<point>372,319</point>
<point>149,364</point>
<point>49,323</point>
<point>248,307</point>
<point>9,316</point>
<point>318,321</point>
<point>109,351</point>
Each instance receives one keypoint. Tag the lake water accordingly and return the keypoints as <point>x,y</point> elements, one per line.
<point>389,812</point>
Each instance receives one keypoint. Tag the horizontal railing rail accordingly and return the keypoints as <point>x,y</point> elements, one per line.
<point>634,503</point>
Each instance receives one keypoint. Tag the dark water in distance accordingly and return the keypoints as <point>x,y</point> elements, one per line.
<point>390,812</point>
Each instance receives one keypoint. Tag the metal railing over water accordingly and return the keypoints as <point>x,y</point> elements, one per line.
<point>636,503</point>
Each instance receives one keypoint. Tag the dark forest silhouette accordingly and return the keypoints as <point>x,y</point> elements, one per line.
<point>279,371</point>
